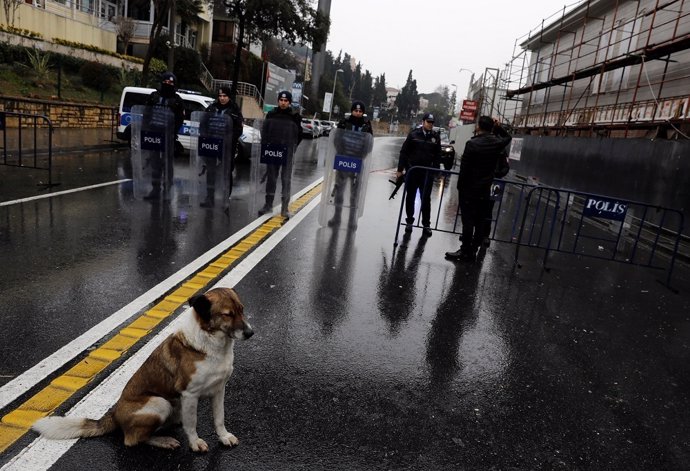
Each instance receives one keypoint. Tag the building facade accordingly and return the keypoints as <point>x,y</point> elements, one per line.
<point>605,68</point>
<point>94,22</point>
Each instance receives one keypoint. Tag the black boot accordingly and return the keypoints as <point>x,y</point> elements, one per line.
<point>210,200</point>
<point>284,211</point>
<point>268,206</point>
<point>154,194</point>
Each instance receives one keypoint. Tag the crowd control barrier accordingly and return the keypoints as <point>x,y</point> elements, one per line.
<point>565,221</point>
<point>27,142</point>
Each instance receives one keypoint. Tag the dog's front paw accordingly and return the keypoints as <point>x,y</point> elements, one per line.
<point>228,439</point>
<point>198,445</point>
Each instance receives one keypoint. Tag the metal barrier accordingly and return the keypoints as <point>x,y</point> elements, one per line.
<point>567,221</point>
<point>17,155</point>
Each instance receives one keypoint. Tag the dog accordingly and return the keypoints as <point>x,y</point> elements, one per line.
<point>193,362</point>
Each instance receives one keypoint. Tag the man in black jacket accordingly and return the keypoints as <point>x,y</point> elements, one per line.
<point>165,97</point>
<point>224,105</point>
<point>421,148</point>
<point>477,167</point>
<point>291,119</point>
<point>355,122</point>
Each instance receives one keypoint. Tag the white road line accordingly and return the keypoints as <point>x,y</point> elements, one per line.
<point>34,375</point>
<point>65,192</point>
<point>42,453</point>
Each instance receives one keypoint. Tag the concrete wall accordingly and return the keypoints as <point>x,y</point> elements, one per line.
<point>62,114</point>
<point>649,171</point>
<point>65,23</point>
<point>69,51</point>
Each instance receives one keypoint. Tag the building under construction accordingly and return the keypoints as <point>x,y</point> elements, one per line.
<point>614,68</point>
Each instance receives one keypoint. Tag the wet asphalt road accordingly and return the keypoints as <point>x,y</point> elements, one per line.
<point>365,357</point>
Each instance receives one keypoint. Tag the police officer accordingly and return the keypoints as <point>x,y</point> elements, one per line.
<point>223,105</point>
<point>422,147</point>
<point>282,112</point>
<point>167,97</point>
<point>354,122</point>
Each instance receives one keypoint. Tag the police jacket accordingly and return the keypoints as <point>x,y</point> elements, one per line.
<point>230,109</point>
<point>354,144</point>
<point>175,104</point>
<point>478,162</point>
<point>420,148</point>
<point>356,124</point>
<point>287,115</point>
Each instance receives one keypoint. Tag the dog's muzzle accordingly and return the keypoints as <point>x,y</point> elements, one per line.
<point>247,332</point>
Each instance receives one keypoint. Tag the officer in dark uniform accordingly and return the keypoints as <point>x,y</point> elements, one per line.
<point>422,147</point>
<point>354,122</point>
<point>223,105</point>
<point>283,112</point>
<point>167,97</point>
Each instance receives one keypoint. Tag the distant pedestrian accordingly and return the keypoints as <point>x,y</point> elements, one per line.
<point>166,97</point>
<point>477,168</point>
<point>287,119</point>
<point>355,122</point>
<point>223,105</point>
<point>422,147</point>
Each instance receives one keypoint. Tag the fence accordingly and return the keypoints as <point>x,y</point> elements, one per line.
<point>571,222</point>
<point>27,131</point>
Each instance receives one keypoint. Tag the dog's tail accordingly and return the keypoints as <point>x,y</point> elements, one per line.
<point>60,428</point>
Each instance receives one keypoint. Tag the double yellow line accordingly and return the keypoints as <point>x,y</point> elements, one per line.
<point>17,422</point>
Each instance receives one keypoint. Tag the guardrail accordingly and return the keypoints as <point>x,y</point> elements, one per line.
<point>25,127</point>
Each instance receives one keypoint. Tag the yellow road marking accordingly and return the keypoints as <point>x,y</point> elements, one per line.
<point>17,422</point>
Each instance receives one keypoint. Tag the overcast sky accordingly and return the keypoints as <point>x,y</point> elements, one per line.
<point>435,38</point>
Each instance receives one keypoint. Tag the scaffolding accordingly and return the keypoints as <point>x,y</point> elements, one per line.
<point>616,68</point>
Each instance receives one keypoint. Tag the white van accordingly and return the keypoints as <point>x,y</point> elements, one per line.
<point>193,101</point>
<point>132,96</point>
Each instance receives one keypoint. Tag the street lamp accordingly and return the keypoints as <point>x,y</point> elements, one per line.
<point>455,103</point>
<point>335,79</point>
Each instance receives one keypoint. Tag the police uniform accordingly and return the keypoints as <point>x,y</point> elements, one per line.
<point>350,123</point>
<point>233,111</point>
<point>421,148</point>
<point>273,170</point>
<point>168,98</point>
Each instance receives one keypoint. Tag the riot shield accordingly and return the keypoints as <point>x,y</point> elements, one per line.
<point>153,149</point>
<point>272,160</point>
<point>345,180</point>
<point>210,158</point>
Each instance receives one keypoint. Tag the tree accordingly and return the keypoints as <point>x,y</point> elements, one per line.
<point>292,20</point>
<point>407,100</point>
<point>125,27</point>
<point>367,92</point>
<point>380,95</point>
<point>187,9</point>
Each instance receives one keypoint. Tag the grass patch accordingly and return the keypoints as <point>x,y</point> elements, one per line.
<point>21,82</point>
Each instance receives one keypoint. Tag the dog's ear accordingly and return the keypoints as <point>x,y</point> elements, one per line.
<point>202,306</point>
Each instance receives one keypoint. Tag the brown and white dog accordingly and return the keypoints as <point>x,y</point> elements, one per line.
<point>193,362</point>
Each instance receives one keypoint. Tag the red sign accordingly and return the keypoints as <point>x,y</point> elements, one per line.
<point>467,115</point>
<point>469,105</point>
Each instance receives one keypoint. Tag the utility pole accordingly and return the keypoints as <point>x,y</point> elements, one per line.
<point>318,56</point>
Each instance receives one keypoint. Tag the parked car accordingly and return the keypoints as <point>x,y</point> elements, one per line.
<point>326,127</point>
<point>447,151</point>
<point>192,101</point>
<point>309,128</point>
<point>249,136</point>
<point>132,96</point>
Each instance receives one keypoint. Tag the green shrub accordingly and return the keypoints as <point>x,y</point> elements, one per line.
<point>96,75</point>
<point>187,66</point>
